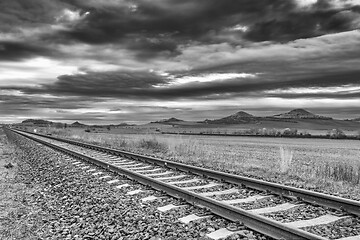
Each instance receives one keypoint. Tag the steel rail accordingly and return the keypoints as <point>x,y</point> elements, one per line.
<point>334,202</point>
<point>255,222</point>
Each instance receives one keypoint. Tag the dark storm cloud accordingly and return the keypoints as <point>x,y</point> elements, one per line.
<point>304,24</point>
<point>19,21</point>
<point>103,83</point>
<point>12,51</point>
<point>181,20</point>
<point>178,18</point>
<point>140,85</point>
<point>157,28</point>
<point>161,26</point>
<point>27,13</point>
<point>151,46</point>
<point>13,102</point>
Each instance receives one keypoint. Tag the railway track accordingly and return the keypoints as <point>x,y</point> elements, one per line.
<point>277,211</point>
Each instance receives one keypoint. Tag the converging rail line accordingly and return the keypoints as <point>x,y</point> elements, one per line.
<point>254,203</point>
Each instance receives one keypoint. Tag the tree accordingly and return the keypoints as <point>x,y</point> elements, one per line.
<point>336,134</point>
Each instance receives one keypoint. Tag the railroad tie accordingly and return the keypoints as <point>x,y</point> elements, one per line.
<point>138,168</point>
<point>158,174</point>
<point>185,181</point>
<point>171,177</point>
<point>113,181</point>
<point>104,177</point>
<point>222,233</point>
<point>169,207</point>
<point>146,171</point>
<point>150,198</point>
<point>325,219</point>
<point>122,186</point>
<point>245,200</point>
<point>277,208</point>
<point>192,217</point>
<point>137,191</point>
<point>217,193</point>
<point>202,186</point>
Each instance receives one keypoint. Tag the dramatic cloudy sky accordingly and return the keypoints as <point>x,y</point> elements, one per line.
<point>101,61</point>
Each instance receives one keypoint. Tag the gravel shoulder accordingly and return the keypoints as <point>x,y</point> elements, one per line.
<point>18,216</point>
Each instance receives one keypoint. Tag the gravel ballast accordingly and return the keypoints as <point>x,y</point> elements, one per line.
<point>339,229</point>
<point>303,212</point>
<point>73,204</point>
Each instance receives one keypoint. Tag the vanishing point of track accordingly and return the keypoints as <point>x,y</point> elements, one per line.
<point>164,178</point>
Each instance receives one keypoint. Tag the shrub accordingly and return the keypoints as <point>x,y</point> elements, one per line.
<point>290,132</point>
<point>306,134</point>
<point>189,148</point>
<point>336,134</point>
<point>153,144</point>
<point>339,171</point>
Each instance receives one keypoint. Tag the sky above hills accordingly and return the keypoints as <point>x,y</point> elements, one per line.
<point>138,60</point>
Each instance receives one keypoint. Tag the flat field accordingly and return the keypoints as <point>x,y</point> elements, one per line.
<point>324,165</point>
<point>311,126</point>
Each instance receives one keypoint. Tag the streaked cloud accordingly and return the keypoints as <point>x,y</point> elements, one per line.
<point>203,78</point>
<point>150,58</point>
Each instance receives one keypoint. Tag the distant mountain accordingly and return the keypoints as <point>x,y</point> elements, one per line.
<point>300,114</point>
<point>170,120</point>
<point>239,117</point>
<point>356,119</point>
<point>37,122</point>
<point>77,124</point>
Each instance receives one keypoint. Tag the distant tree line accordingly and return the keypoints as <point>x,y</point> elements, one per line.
<point>272,132</point>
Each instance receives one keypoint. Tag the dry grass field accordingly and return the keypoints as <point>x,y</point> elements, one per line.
<point>319,164</point>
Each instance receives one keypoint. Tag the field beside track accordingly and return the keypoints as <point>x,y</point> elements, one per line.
<point>331,166</point>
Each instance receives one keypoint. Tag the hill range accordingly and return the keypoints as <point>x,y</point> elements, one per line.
<point>297,119</point>
<point>45,123</point>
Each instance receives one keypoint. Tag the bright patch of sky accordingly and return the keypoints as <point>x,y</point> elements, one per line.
<point>312,90</point>
<point>70,16</point>
<point>11,93</point>
<point>336,3</point>
<point>305,3</point>
<point>133,8</point>
<point>239,27</point>
<point>341,3</point>
<point>31,71</point>
<point>202,78</point>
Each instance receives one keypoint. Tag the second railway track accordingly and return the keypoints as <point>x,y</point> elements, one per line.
<point>272,209</point>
